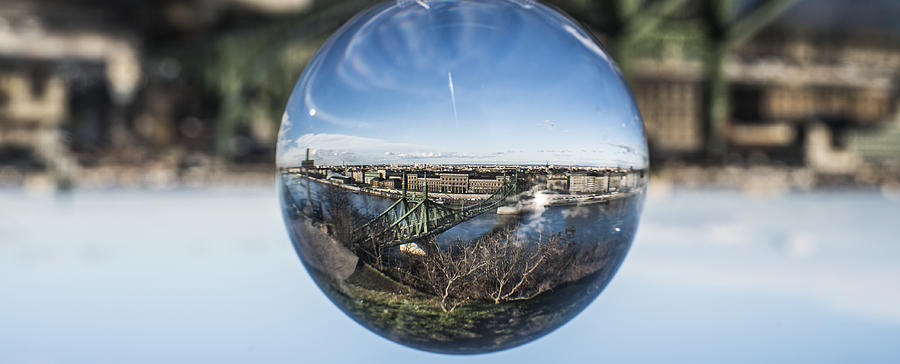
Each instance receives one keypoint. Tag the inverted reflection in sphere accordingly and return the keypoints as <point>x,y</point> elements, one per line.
<point>461,176</point>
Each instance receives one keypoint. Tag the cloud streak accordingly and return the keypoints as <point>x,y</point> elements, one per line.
<point>453,98</point>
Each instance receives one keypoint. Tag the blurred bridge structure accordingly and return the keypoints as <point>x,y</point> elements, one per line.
<point>150,93</point>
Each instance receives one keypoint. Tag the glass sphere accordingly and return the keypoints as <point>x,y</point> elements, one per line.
<point>461,176</point>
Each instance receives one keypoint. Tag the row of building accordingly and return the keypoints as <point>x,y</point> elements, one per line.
<point>589,182</point>
<point>566,181</point>
<point>432,181</point>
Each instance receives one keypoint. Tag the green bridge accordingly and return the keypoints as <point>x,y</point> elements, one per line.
<point>416,217</point>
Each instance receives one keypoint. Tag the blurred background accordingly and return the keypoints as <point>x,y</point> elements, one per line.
<point>755,94</point>
<point>139,221</point>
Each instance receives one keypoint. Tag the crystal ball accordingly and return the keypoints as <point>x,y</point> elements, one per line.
<point>461,176</point>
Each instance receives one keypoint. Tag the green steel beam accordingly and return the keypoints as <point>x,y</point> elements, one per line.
<point>643,21</point>
<point>747,27</point>
<point>719,105</point>
<point>734,32</point>
<point>637,24</point>
<point>626,9</point>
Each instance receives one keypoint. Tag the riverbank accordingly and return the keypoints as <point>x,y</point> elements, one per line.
<point>531,198</point>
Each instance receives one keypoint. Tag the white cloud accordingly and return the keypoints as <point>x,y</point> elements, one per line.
<point>549,124</point>
<point>286,126</point>
<point>334,149</point>
<point>348,142</point>
<point>417,155</point>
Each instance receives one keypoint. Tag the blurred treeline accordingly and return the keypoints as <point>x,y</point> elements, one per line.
<point>108,92</point>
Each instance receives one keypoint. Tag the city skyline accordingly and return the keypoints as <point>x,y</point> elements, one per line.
<point>462,85</point>
<point>472,179</point>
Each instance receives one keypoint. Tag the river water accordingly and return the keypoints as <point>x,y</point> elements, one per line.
<point>617,217</point>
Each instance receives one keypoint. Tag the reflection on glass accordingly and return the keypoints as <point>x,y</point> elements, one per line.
<point>461,176</point>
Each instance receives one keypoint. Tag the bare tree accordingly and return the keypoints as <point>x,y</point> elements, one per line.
<point>520,269</point>
<point>498,268</point>
<point>339,214</point>
<point>451,273</point>
<point>511,269</point>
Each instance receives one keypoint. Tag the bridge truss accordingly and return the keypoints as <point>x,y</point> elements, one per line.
<point>416,217</point>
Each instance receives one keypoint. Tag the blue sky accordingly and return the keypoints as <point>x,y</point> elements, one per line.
<point>462,82</point>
